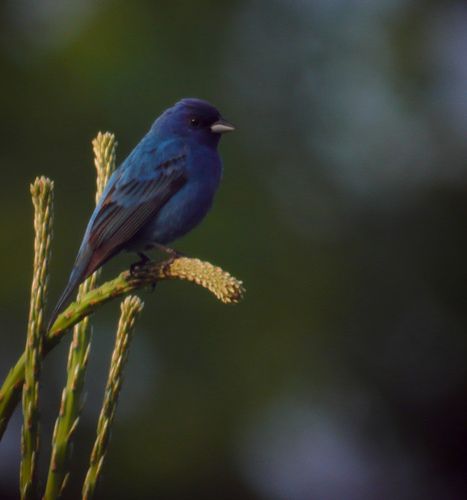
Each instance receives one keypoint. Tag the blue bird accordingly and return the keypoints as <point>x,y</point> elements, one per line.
<point>160,192</point>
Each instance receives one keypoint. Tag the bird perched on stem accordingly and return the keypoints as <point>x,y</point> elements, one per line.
<point>160,192</point>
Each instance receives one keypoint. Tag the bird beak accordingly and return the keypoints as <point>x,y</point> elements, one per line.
<point>221,127</point>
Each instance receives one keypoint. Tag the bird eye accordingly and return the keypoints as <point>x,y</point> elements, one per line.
<point>195,122</point>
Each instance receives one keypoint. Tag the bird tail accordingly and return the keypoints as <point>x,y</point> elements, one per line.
<point>81,270</point>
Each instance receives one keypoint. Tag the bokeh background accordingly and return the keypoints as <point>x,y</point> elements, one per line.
<point>343,374</point>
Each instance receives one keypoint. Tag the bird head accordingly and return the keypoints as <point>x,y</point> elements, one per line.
<point>193,119</point>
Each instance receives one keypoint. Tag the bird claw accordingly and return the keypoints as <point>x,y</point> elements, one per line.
<point>143,260</point>
<point>172,254</point>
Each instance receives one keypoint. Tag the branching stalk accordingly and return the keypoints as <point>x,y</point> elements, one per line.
<point>224,286</point>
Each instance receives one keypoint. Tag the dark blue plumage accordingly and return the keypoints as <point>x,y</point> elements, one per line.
<point>160,192</point>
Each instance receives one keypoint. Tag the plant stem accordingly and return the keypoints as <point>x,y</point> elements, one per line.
<point>131,307</point>
<point>71,403</point>
<point>42,198</point>
<point>224,286</point>
<point>70,407</point>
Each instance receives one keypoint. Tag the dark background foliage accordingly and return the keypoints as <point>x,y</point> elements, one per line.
<point>343,374</point>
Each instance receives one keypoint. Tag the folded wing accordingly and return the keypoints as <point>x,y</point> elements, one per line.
<point>134,195</point>
<point>128,205</point>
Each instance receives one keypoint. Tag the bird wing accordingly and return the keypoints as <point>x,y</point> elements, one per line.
<point>131,201</point>
<point>137,190</point>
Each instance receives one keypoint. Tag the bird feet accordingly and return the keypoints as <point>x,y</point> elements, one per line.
<point>172,254</point>
<point>143,259</point>
<point>134,267</point>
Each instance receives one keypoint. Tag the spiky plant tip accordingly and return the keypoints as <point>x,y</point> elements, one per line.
<point>130,308</point>
<point>104,147</point>
<point>222,284</point>
<point>41,187</point>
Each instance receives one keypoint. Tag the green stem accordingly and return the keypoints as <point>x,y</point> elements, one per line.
<point>225,287</point>
<point>70,406</point>
<point>131,307</point>
<point>42,197</point>
<point>104,146</point>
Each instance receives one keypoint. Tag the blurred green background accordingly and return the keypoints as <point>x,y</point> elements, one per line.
<point>343,208</point>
